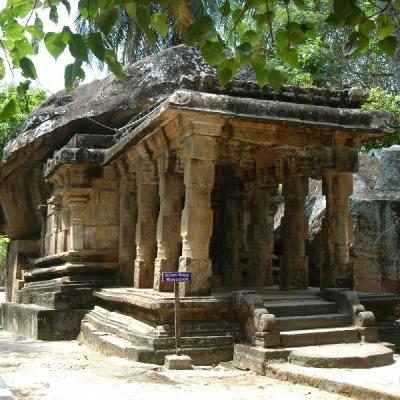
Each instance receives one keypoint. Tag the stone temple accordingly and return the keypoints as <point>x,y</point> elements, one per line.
<point>115,183</point>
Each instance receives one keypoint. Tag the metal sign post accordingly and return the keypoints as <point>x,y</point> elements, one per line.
<point>177,277</point>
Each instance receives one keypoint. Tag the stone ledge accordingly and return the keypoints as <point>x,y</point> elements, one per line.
<point>360,355</point>
<point>41,323</point>
<point>379,383</point>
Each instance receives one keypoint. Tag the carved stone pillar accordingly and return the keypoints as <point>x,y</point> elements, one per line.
<point>169,220</point>
<point>232,239</point>
<point>294,231</point>
<point>337,230</point>
<point>146,227</point>
<point>199,154</point>
<point>127,227</point>
<point>76,206</point>
<point>261,235</point>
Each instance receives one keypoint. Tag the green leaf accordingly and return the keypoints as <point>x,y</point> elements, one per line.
<point>230,64</point>
<point>275,79</point>
<point>213,52</point>
<point>88,9</point>
<point>366,27</point>
<point>261,73</point>
<point>10,109</point>
<point>159,22</point>
<point>21,8</point>
<point>224,76</point>
<point>69,77</point>
<point>54,44</point>
<point>292,58</point>
<point>386,26</point>
<point>67,6</point>
<point>53,14</point>
<point>71,73</point>
<point>388,45</point>
<point>77,47</point>
<point>36,30</point>
<point>107,19</point>
<point>250,36</point>
<point>23,87</point>
<point>245,49</point>
<point>282,39</point>
<point>131,10</point>
<point>13,30</point>
<point>95,42</point>
<point>295,32</point>
<point>114,65</point>
<point>66,34</point>
<point>28,68</point>
<point>143,16</point>
<point>356,44</point>
<point>199,30</point>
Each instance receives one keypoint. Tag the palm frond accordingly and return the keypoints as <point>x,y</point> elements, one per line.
<point>182,16</point>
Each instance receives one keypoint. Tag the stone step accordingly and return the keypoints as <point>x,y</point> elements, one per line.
<point>313,321</point>
<point>314,337</point>
<point>300,307</point>
<point>113,345</point>
<point>358,355</point>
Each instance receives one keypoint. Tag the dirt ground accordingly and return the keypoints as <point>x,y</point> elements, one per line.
<point>66,370</point>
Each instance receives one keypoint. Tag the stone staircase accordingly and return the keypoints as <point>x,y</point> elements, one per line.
<point>310,322</point>
<point>330,330</point>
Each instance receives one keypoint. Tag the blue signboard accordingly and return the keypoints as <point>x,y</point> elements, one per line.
<point>177,277</point>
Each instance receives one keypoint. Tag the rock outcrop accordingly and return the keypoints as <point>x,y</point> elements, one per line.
<point>375,209</point>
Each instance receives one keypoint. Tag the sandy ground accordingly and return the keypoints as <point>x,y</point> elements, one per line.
<point>66,370</point>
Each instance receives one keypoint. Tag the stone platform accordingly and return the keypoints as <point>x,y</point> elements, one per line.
<point>138,324</point>
<point>357,355</point>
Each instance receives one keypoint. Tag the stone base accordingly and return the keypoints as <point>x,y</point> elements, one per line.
<point>254,358</point>
<point>138,347</point>
<point>138,324</point>
<point>179,362</point>
<point>41,323</point>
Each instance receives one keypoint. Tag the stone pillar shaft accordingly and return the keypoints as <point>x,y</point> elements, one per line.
<point>197,216</point>
<point>127,228</point>
<point>76,208</point>
<point>261,235</point>
<point>232,240</point>
<point>146,227</point>
<point>168,233</point>
<point>294,231</point>
<point>337,229</point>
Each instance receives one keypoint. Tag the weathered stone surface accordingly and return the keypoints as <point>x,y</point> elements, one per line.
<point>256,358</point>
<point>389,176</point>
<point>374,207</point>
<point>343,356</point>
<point>41,323</point>
<point>175,361</point>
